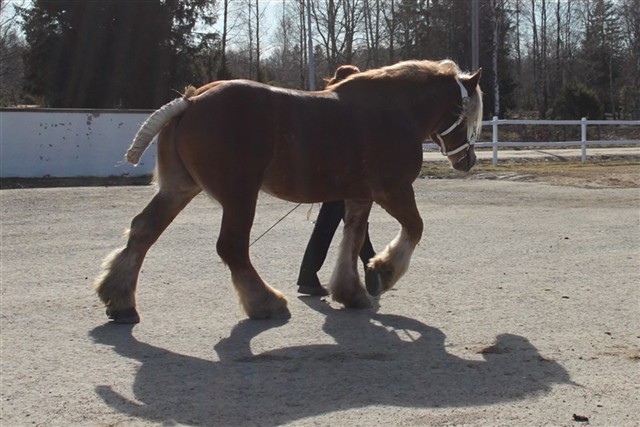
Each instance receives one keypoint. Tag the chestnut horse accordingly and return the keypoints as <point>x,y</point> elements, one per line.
<point>359,140</point>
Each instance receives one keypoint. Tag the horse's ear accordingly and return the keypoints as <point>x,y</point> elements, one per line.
<point>472,82</point>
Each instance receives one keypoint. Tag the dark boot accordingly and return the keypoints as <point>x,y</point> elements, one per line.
<point>329,217</point>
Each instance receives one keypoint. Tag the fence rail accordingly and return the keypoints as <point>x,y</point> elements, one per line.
<point>495,143</point>
<point>66,143</point>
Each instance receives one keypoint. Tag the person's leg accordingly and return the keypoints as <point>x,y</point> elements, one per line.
<point>367,252</point>
<point>330,215</point>
<point>372,279</point>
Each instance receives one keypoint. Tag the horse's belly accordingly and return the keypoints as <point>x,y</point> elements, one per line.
<point>285,188</point>
<point>310,185</point>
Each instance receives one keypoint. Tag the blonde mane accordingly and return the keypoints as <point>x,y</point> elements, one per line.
<point>472,111</point>
<point>422,70</point>
<point>412,70</point>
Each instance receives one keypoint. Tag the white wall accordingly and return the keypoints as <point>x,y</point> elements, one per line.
<point>70,143</point>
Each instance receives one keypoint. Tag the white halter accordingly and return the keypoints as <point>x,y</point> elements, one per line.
<point>471,133</point>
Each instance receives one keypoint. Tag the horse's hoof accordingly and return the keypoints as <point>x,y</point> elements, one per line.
<point>387,279</point>
<point>358,301</point>
<point>282,313</point>
<point>359,304</point>
<point>373,282</point>
<point>128,315</point>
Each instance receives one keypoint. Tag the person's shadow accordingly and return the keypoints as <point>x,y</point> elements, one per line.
<point>376,360</point>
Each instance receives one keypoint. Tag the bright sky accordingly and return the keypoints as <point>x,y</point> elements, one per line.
<point>272,10</point>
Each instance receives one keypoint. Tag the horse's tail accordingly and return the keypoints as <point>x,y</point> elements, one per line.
<point>154,124</point>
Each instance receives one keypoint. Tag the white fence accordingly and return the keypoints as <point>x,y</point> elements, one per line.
<point>75,143</point>
<point>495,143</point>
<point>69,143</point>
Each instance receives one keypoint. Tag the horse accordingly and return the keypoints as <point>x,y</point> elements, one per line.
<point>358,140</point>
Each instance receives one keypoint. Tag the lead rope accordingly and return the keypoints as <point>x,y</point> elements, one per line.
<point>276,223</point>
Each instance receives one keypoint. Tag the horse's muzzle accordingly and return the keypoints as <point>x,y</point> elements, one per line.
<point>466,162</point>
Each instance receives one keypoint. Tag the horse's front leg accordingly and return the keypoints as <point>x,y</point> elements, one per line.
<point>345,285</point>
<point>392,263</point>
<point>259,300</point>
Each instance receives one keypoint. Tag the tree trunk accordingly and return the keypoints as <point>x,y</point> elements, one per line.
<point>496,81</point>
<point>258,73</point>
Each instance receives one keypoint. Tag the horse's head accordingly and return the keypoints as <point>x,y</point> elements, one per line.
<point>449,109</point>
<point>460,130</point>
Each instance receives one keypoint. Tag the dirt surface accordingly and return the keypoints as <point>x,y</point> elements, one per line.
<point>609,172</point>
<point>520,308</point>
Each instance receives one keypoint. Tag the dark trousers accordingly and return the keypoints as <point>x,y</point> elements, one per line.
<point>330,215</point>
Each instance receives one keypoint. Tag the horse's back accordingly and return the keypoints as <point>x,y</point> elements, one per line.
<point>299,146</point>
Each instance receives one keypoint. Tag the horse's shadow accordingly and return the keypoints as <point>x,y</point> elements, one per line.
<point>377,360</point>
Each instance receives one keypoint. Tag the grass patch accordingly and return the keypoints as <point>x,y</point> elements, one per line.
<point>442,169</point>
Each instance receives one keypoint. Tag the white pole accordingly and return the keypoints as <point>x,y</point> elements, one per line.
<point>312,66</point>
<point>494,126</point>
<point>583,127</point>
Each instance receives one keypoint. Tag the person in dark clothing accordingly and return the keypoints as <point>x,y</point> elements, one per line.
<point>330,215</point>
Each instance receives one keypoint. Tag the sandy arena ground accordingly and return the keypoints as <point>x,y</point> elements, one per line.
<point>521,307</point>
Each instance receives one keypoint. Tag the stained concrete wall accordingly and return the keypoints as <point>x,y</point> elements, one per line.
<point>70,143</point>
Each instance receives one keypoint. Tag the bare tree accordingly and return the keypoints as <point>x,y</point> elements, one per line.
<point>337,23</point>
<point>497,12</point>
<point>630,92</point>
<point>374,29</point>
<point>254,15</point>
<point>517,13</point>
<point>11,50</point>
<point>390,21</point>
<point>286,59</point>
<point>302,24</point>
<point>223,71</point>
<point>538,17</point>
<point>601,51</point>
<point>257,12</point>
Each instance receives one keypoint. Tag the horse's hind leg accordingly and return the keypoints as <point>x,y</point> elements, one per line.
<point>345,284</point>
<point>259,300</point>
<point>117,285</point>
<point>393,261</point>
